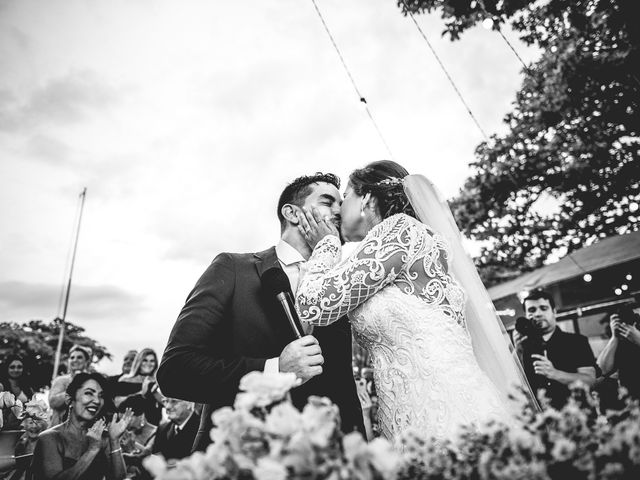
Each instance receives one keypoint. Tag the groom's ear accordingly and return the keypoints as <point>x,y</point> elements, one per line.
<point>289,213</point>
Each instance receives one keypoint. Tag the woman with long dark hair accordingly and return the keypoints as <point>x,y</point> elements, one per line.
<point>14,379</point>
<point>85,446</point>
<point>415,302</point>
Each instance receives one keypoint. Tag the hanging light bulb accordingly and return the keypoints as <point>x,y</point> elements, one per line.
<point>618,291</point>
<point>629,277</point>
<point>487,23</point>
<point>624,287</point>
<point>587,277</point>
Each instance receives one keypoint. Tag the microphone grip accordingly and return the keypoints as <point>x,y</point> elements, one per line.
<point>287,310</point>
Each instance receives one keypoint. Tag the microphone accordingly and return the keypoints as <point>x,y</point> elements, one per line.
<point>275,282</point>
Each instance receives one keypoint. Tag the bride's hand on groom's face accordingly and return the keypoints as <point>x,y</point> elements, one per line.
<point>314,227</point>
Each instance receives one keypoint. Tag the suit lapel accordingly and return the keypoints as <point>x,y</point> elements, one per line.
<point>265,260</point>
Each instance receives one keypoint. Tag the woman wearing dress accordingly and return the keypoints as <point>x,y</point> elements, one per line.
<point>14,378</point>
<point>141,380</point>
<point>84,447</point>
<point>406,306</point>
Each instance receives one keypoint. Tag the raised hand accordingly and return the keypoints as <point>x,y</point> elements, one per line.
<point>314,227</point>
<point>118,426</point>
<point>629,332</point>
<point>614,323</point>
<point>94,434</point>
<point>146,383</point>
<point>518,342</point>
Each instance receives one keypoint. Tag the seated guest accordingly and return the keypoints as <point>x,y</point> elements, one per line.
<point>34,420</point>
<point>137,441</point>
<point>80,358</point>
<point>140,432</point>
<point>174,438</point>
<point>557,359</point>
<point>14,379</point>
<point>141,380</point>
<point>79,448</point>
<point>622,352</point>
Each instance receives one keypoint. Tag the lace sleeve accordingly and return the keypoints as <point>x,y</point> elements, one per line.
<point>329,289</point>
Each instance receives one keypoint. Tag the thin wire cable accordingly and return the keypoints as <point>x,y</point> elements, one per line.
<point>361,97</point>
<point>446,72</point>
<point>515,52</point>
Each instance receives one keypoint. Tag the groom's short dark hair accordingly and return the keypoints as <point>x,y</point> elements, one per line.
<point>299,189</point>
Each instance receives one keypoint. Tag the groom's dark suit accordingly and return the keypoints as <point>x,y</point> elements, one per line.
<point>229,326</point>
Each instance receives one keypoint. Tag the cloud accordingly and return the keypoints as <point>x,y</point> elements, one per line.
<point>49,149</point>
<point>21,301</point>
<point>68,99</point>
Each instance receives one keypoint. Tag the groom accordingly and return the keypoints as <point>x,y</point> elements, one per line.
<point>230,325</point>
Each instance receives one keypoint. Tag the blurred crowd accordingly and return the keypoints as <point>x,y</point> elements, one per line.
<point>88,425</point>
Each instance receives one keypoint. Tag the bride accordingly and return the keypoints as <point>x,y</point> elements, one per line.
<point>416,303</point>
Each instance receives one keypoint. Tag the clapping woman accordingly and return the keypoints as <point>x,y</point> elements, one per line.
<point>141,380</point>
<point>85,446</point>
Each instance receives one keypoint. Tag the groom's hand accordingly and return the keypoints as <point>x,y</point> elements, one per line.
<point>302,357</point>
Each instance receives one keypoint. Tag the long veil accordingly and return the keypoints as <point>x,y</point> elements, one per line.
<point>490,340</point>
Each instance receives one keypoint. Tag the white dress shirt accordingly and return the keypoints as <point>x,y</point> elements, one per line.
<point>290,260</point>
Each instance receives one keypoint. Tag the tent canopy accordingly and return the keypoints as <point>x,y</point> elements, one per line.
<point>605,253</point>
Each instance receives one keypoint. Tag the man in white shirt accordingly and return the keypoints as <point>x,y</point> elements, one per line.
<point>230,325</point>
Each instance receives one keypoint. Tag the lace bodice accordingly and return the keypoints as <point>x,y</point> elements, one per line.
<point>408,312</point>
<point>400,250</point>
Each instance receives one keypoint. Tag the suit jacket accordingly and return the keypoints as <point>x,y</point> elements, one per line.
<point>229,326</point>
<point>176,445</point>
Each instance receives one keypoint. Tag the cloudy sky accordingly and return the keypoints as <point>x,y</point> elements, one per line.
<point>185,120</point>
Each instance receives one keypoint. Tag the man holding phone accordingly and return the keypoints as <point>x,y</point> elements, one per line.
<point>622,352</point>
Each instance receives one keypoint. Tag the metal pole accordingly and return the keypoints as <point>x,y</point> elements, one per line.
<point>56,364</point>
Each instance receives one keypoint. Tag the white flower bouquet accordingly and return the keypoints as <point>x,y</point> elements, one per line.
<point>264,437</point>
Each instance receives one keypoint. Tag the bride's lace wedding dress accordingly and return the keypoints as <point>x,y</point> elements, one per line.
<point>408,312</point>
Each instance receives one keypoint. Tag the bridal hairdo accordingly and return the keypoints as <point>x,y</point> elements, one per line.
<point>383,181</point>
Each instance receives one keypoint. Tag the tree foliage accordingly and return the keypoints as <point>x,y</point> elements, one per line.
<point>36,342</point>
<point>573,133</point>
